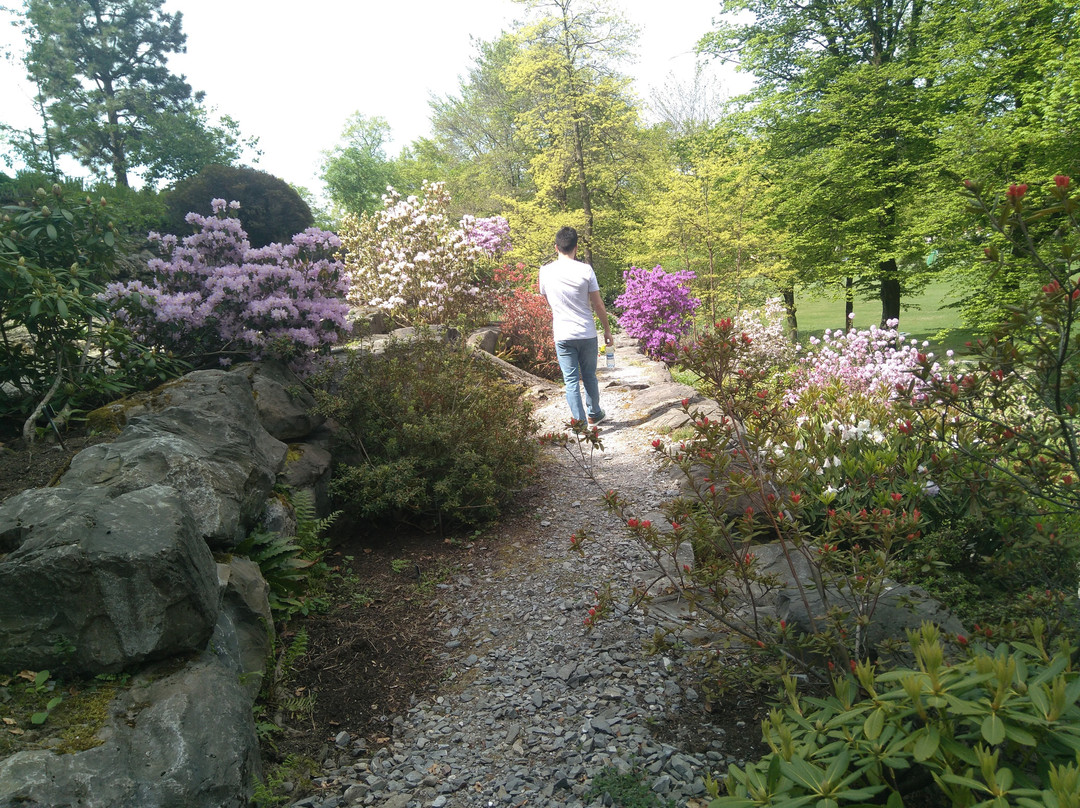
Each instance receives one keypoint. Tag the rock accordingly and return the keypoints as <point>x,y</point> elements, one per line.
<point>101,583</point>
<point>308,468</point>
<point>244,633</point>
<point>203,437</point>
<point>181,740</point>
<point>368,320</point>
<point>898,610</point>
<point>486,339</point>
<point>284,405</point>
<point>278,517</point>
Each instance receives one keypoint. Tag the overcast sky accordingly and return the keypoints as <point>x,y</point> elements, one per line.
<point>292,73</point>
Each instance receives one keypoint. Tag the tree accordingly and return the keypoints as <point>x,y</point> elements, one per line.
<point>102,68</point>
<point>581,123</point>
<point>270,209</point>
<point>478,133</point>
<point>1008,79</point>
<point>357,172</point>
<point>711,210</point>
<point>843,110</point>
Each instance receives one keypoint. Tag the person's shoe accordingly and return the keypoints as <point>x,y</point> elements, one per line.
<point>597,419</point>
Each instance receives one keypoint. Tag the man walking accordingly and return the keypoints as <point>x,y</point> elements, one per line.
<point>572,292</point>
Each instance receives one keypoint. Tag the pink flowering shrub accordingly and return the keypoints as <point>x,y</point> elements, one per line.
<point>492,234</point>
<point>410,260</point>
<point>212,295</point>
<point>657,309</point>
<point>872,361</point>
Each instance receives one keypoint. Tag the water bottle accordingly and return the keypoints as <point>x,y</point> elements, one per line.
<point>610,352</point>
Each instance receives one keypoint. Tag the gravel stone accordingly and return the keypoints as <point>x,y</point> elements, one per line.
<point>535,706</point>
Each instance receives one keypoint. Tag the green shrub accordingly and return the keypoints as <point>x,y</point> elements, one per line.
<point>443,441</point>
<point>1001,728</point>
<point>270,210</point>
<point>59,344</point>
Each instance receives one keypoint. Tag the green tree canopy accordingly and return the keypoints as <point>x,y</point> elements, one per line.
<point>110,100</point>
<point>357,171</point>
<point>270,209</point>
<point>581,123</point>
<point>842,111</point>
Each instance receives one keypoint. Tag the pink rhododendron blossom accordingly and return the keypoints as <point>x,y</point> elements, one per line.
<point>656,309</point>
<point>212,293</point>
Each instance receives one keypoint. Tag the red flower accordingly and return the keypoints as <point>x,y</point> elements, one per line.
<point>1016,191</point>
<point>685,403</point>
<point>896,497</point>
<point>795,498</point>
<point>646,524</point>
<point>960,638</point>
<point>631,522</point>
<point>1061,181</point>
<point>656,444</point>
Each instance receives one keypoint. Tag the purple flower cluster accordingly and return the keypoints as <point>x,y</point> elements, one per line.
<point>656,309</point>
<point>492,235</point>
<point>213,294</point>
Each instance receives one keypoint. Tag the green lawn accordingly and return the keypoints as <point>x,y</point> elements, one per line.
<point>923,317</point>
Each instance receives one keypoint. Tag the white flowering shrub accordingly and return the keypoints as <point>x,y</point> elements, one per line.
<point>410,260</point>
<point>770,344</point>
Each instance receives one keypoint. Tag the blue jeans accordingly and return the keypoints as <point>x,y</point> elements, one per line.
<point>577,360</point>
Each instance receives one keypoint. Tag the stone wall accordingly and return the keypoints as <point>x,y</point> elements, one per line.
<point>113,569</point>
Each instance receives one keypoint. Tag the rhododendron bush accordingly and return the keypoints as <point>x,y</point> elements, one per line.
<point>657,309</point>
<point>213,295</point>
<point>410,260</point>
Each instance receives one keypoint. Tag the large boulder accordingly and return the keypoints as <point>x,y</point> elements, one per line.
<point>184,739</point>
<point>101,580</point>
<point>308,468</point>
<point>284,405</point>
<point>898,609</point>
<point>200,435</point>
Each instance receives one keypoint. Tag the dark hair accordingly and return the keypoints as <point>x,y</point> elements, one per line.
<point>566,240</point>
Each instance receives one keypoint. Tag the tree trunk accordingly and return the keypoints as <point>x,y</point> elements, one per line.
<point>793,321</point>
<point>586,195</point>
<point>890,291</point>
<point>849,303</point>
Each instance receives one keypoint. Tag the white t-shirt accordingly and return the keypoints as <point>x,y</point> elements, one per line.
<point>566,284</point>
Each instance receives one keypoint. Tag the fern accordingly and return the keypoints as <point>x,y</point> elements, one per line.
<point>283,564</point>
<point>309,528</point>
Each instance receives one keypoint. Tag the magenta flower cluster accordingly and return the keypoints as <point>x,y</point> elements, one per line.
<point>492,234</point>
<point>657,309</point>
<point>874,361</point>
<point>212,294</point>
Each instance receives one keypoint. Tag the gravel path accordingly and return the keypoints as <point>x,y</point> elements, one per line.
<point>536,707</point>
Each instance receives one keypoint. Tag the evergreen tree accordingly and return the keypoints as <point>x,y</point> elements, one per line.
<point>111,102</point>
